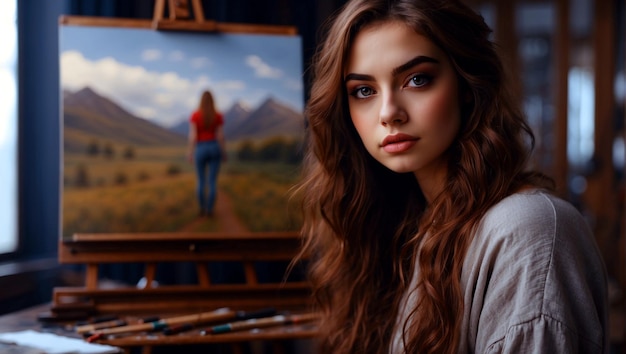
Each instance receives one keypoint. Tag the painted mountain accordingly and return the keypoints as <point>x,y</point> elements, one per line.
<point>271,118</point>
<point>88,116</point>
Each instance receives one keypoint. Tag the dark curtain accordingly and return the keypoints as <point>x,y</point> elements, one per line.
<point>276,12</point>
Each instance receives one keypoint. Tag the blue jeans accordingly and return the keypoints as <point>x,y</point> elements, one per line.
<point>207,154</point>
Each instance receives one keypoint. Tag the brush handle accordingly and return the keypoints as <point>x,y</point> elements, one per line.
<point>217,315</point>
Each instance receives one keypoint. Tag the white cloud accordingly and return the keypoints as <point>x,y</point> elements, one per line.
<point>151,55</point>
<point>202,82</point>
<point>199,62</point>
<point>147,112</point>
<point>176,55</point>
<point>262,69</point>
<point>163,100</point>
<point>191,103</point>
<point>172,82</point>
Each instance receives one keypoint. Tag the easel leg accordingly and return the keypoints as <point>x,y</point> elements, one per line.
<point>197,11</point>
<point>159,8</point>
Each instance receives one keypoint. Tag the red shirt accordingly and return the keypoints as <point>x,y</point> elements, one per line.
<point>206,133</point>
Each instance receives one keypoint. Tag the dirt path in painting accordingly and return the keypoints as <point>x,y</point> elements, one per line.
<point>224,216</point>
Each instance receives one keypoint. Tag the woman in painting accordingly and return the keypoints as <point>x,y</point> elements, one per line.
<point>206,150</point>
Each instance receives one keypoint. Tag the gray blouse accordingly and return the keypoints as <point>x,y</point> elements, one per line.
<point>533,281</point>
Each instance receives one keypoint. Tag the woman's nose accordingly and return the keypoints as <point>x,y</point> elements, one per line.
<point>392,111</point>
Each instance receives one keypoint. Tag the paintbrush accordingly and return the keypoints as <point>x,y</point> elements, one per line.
<point>217,315</point>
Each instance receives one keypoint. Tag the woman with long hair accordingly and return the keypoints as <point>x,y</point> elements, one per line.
<point>427,232</point>
<point>206,150</point>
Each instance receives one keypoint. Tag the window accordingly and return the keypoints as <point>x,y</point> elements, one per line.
<point>8,127</point>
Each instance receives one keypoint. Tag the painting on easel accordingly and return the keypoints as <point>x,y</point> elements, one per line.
<point>127,98</point>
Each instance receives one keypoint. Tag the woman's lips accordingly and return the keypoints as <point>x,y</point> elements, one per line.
<point>398,143</point>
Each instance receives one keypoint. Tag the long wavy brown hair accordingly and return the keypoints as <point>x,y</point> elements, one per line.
<point>207,109</point>
<point>363,223</point>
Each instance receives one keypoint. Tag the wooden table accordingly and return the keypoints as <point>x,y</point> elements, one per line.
<point>283,339</point>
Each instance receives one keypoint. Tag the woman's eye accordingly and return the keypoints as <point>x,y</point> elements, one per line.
<point>362,92</point>
<point>419,80</point>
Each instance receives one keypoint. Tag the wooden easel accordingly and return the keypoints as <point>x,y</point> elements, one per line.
<point>180,16</point>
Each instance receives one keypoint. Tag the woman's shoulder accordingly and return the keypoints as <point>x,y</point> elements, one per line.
<point>533,211</point>
<point>533,197</point>
<point>528,226</point>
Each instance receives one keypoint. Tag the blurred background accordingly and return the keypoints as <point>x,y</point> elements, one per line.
<point>567,57</point>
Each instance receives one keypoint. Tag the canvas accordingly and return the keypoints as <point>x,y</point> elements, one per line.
<point>127,96</point>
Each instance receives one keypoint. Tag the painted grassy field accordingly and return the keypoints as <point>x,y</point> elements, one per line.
<point>154,191</point>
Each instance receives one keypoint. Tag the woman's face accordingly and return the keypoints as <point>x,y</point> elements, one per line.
<point>403,99</point>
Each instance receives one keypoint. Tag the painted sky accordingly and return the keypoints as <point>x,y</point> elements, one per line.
<point>160,75</point>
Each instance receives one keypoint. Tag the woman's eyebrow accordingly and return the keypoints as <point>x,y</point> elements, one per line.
<point>359,77</point>
<point>413,62</point>
<point>406,66</point>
